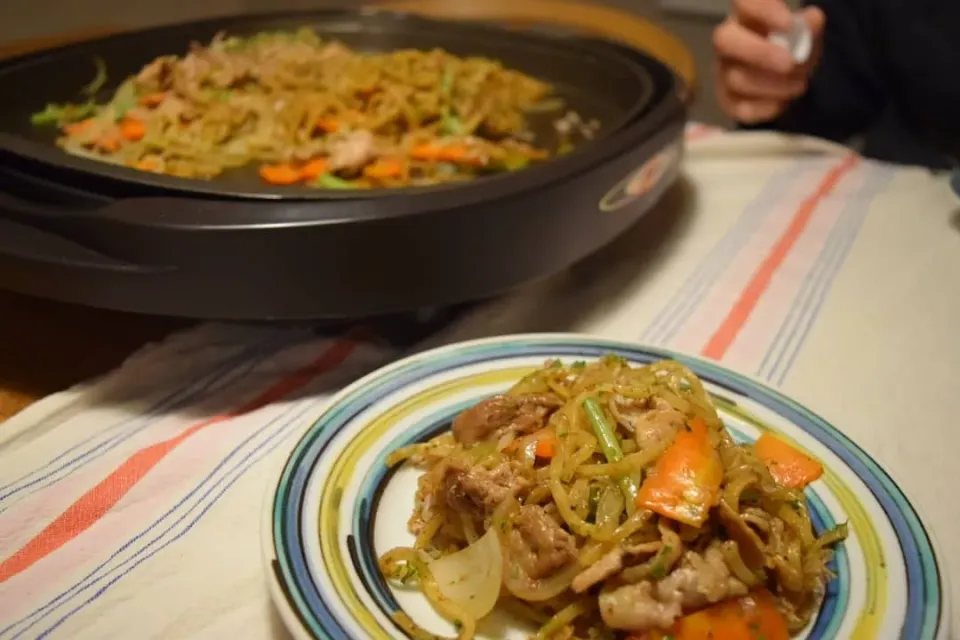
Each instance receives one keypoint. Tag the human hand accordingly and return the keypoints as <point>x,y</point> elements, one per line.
<point>757,79</point>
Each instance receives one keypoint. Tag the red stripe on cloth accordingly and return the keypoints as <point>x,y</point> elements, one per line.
<point>90,507</point>
<point>740,312</point>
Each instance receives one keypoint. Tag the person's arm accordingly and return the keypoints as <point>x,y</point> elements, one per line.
<point>845,95</point>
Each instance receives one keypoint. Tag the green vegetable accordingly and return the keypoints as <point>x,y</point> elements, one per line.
<point>99,79</point>
<point>610,445</point>
<point>451,124</point>
<point>446,81</point>
<point>330,181</point>
<point>515,162</point>
<point>61,114</point>
<point>447,169</point>
<point>124,99</point>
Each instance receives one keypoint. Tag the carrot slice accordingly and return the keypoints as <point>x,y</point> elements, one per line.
<point>280,174</point>
<point>314,169</point>
<point>456,153</point>
<point>384,168</point>
<point>788,466</point>
<point>753,617</point>
<point>152,100</point>
<point>426,152</point>
<point>147,164</point>
<point>132,130</point>
<point>76,128</point>
<point>546,446</point>
<point>327,125</point>
<point>685,482</point>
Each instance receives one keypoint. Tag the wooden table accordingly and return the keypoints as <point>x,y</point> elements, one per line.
<point>47,346</point>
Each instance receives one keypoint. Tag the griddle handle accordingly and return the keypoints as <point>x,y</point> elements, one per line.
<point>25,245</point>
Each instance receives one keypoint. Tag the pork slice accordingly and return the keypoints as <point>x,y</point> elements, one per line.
<point>524,414</point>
<point>540,545</point>
<point>478,491</point>
<point>700,580</point>
<point>353,151</point>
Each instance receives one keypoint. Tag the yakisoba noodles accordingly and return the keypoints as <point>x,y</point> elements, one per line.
<point>608,501</point>
<point>306,111</point>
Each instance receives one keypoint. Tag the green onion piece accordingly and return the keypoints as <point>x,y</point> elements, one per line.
<point>452,125</point>
<point>610,445</point>
<point>330,181</point>
<point>446,81</point>
<point>447,169</point>
<point>61,114</point>
<point>516,162</point>
<point>99,79</point>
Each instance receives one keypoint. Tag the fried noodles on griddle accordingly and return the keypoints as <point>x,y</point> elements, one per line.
<point>306,111</point>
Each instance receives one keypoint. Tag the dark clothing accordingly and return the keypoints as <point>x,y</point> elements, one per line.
<point>890,72</point>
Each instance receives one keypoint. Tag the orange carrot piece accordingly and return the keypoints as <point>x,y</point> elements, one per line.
<point>752,617</point>
<point>546,446</point>
<point>147,164</point>
<point>788,466</point>
<point>76,128</point>
<point>327,125</point>
<point>439,152</point>
<point>280,174</point>
<point>314,169</point>
<point>453,153</point>
<point>384,168</point>
<point>425,152</point>
<point>685,482</point>
<point>152,100</point>
<point>132,130</point>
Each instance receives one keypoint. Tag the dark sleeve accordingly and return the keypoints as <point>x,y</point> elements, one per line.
<point>846,95</point>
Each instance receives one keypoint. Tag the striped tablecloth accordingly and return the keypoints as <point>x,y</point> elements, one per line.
<point>130,507</point>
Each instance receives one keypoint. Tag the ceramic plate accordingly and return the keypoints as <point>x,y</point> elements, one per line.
<point>337,507</point>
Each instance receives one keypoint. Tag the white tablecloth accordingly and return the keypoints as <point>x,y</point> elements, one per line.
<point>131,506</point>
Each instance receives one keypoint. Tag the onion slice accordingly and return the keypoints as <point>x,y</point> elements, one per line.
<point>471,577</point>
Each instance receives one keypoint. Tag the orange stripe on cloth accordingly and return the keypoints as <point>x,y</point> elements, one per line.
<point>740,312</point>
<point>87,510</point>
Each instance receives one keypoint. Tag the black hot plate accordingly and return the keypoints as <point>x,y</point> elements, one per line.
<point>81,231</point>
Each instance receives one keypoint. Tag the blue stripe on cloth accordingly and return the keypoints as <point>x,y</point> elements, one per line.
<point>688,297</point>
<point>246,361</point>
<point>807,303</point>
<point>90,580</point>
